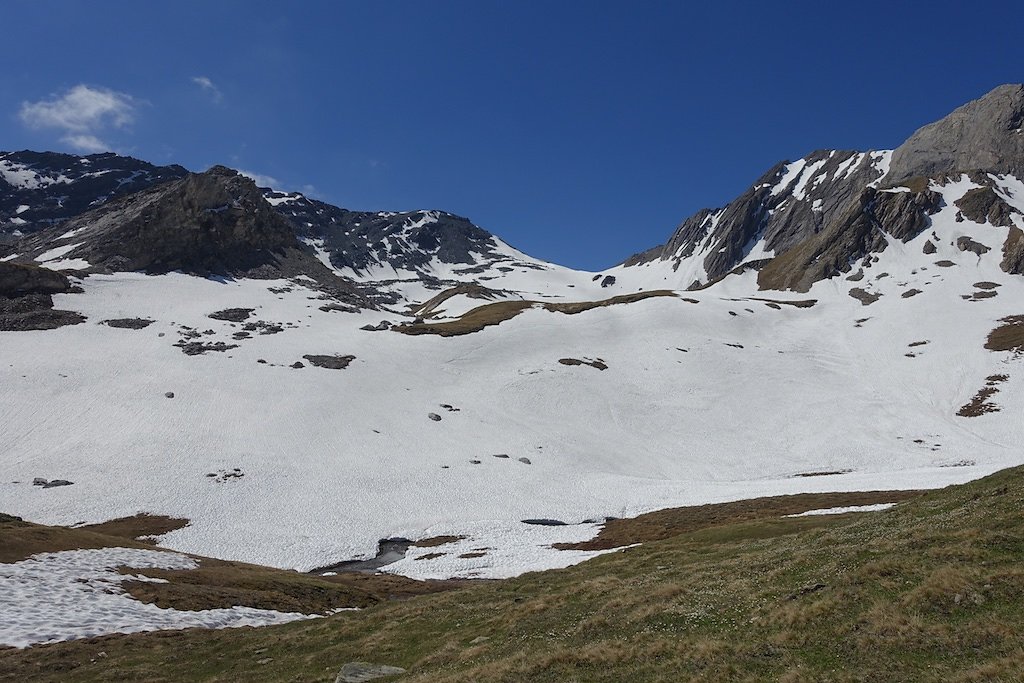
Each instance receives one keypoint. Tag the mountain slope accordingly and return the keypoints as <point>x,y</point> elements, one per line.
<point>298,430</point>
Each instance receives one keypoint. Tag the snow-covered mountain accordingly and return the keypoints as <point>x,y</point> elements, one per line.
<point>301,381</point>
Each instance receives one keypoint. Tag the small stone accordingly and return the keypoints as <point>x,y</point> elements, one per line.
<point>169,394</point>
<point>434,416</point>
<point>57,482</point>
<point>524,460</point>
<point>39,481</point>
<point>266,660</point>
<point>297,365</point>
<point>361,672</point>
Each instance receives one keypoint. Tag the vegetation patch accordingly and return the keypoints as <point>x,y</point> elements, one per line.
<point>1009,336</point>
<point>597,363</point>
<point>498,312</point>
<point>980,404</point>
<point>140,527</point>
<point>662,524</point>
<point>931,590</point>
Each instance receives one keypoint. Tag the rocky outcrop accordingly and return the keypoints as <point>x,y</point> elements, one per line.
<point>864,228</point>
<point>1013,252</point>
<point>982,205</point>
<point>789,204</point>
<point>26,302</point>
<point>411,240</point>
<point>18,279</point>
<point>215,223</point>
<point>41,189</point>
<point>985,134</point>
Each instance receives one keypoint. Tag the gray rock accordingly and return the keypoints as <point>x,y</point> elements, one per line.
<point>330,362</point>
<point>434,416</point>
<point>980,135</point>
<point>128,323</point>
<point>39,481</point>
<point>360,672</point>
<point>965,243</point>
<point>524,460</point>
<point>56,482</point>
<point>233,315</point>
<point>169,394</point>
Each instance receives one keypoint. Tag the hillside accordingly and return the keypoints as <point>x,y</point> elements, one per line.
<point>927,591</point>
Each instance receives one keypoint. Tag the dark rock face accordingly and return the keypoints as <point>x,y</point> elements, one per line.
<point>330,362</point>
<point>361,240</point>
<point>981,135</point>
<point>982,204</point>
<point>852,236</point>
<point>128,323</point>
<point>40,189</point>
<point>26,302</point>
<point>1013,252</point>
<point>967,244</point>
<point>234,315</point>
<point>17,279</point>
<point>208,223</point>
<point>786,206</point>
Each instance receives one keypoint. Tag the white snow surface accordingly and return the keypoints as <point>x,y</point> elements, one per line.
<point>334,460</point>
<point>71,594</point>
<point>877,507</point>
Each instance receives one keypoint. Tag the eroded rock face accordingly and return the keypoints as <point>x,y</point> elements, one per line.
<point>786,206</point>
<point>852,236</point>
<point>40,189</point>
<point>982,204</point>
<point>17,279</point>
<point>983,134</point>
<point>208,223</point>
<point>1013,252</point>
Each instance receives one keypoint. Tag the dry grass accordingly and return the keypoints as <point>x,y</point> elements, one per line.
<point>662,524</point>
<point>493,314</point>
<point>1009,336</point>
<point>854,598</point>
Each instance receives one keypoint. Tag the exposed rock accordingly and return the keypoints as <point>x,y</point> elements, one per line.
<point>194,348</point>
<point>434,416</point>
<point>909,293</point>
<point>34,312</point>
<point>865,297</point>
<point>608,281</point>
<point>967,244</point>
<point>18,279</point>
<point>983,134</point>
<point>361,672</point>
<point>595,363</point>
<point>1013,252</point>
<point>524,460</point>
<point>330,362</point>
<point>38,481</point>
<point>128,323</point>
<point>379,327</point>
<point>169,394</point>
<point>929,248</point>
<point>233,315</point>
<point>863,229</point>
<point>945,263</point>
<point>297,365</point>
<point>65,185</point>
<point>982,205</point>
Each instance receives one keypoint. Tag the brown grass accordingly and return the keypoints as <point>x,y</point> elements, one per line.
<point>435,541</point>
<point>493,314</point>
<point>137,526</point>
<point>662,524</point>
<point>1007,337</point>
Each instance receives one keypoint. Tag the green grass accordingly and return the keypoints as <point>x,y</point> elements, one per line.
<point>932,590</point>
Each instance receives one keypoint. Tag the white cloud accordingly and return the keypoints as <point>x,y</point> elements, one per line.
<point>208,86</point>
<point>82,142</point>
<point>260,179</point>
<point>81,113</point>
<point>81,109</point>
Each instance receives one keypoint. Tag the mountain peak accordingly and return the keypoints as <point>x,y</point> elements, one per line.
<point>985,134</point>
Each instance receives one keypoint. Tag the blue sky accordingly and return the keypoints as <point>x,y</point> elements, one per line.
<point>580,132</point>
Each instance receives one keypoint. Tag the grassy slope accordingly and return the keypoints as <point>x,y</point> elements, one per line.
<point>929,591</point>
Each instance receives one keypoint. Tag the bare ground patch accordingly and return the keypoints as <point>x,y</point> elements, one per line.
<point>1009,336</point>
<point>496,313</point>
<point>596,363</point>
<point>662,524</point>
<point>980,403</point>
